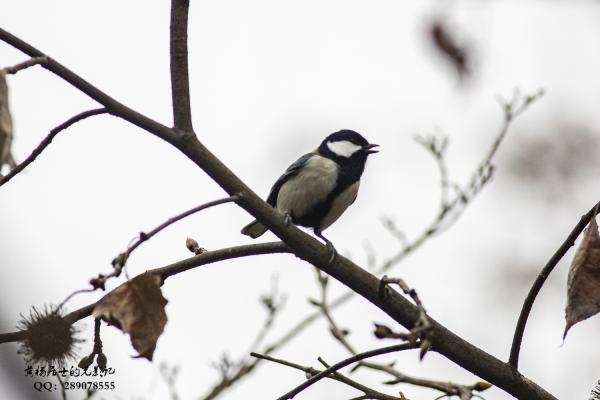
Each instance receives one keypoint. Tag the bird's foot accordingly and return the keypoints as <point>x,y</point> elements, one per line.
<point>332,252</point>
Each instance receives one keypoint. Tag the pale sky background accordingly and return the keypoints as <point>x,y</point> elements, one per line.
<point>269,80</point>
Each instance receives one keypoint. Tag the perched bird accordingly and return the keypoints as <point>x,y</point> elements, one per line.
<point>316,189</point>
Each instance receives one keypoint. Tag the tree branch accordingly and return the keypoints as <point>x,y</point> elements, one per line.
<point>369,393</point>
<point>24,65</point>
<point>113,106</point>
<point>539,282</point>
<point>180,86</point>
<point>48,139</point>
<point>350,360</point>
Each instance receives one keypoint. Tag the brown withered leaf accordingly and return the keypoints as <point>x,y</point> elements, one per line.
<point>583,284</point>
<point>136,307</point>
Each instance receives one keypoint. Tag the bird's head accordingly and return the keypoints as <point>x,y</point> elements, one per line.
<point>347,145</point>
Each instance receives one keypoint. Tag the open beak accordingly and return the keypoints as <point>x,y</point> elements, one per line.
<point>370,148</point>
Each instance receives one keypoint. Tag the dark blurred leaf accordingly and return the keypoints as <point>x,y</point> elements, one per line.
<point>446,43</point>
<point>553,163</point>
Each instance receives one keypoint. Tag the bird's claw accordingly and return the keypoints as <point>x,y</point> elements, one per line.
<point>287,219</point>
<point>332,252</point>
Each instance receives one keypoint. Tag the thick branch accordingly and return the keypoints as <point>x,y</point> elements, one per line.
<point>180,85</point>
<point>48,139</point>
<point>539,282</point>
<point>113,106</point>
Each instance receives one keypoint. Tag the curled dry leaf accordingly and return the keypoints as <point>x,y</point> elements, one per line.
<point>137,307</point>
<point>583,285</point>
<point>6,132</point>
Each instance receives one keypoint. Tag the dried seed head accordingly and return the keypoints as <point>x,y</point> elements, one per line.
<point>86,361</point>
<point>101,361</point>
<point>49,338</point>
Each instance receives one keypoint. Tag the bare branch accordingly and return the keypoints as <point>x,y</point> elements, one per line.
<point>120,261</point>
<point>539,282</point>
<point>180,86</point>
<point>309,371</point>
<point>114,107</point>
<point>451,209</point>
<point>351,360</point>
<point>24,65</point>
<point>48,139</point>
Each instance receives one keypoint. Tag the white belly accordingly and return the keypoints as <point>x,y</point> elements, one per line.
<point>310,187</point>
<point>340,204</point>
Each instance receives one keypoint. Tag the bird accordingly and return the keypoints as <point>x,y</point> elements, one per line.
<point>317,188</point>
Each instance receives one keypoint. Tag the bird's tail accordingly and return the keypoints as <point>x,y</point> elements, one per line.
<point>254,229</point>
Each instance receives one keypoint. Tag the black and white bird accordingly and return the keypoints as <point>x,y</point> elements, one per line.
<point>316,189</point>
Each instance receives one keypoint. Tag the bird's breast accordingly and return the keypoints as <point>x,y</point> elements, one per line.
<point>311,186</point>
<point>339,204</point>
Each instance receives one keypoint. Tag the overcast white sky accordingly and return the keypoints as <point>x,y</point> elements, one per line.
<point>269,79</point>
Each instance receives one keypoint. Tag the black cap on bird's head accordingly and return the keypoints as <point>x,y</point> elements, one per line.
<point>345,145</point>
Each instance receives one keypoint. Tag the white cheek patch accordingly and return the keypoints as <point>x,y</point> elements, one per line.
<point>343,148</point>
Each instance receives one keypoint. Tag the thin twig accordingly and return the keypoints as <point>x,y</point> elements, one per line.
<point>351,360</point>
<point>76,292</point>
<point>25,64</point>
<point>309,371</point>
<point>324,307</point>
<point>539,282</point>
<point>63,392</point>
<point>119,261</point>
<point>450,210</point>
<point>48,139</point>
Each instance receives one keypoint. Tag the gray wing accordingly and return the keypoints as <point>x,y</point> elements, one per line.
<point>290,172</point>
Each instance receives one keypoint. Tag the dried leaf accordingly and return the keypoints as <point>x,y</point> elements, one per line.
<point>136,307</point>
<point>583,285</point>
<point>6,132</point>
